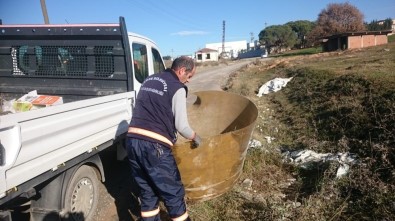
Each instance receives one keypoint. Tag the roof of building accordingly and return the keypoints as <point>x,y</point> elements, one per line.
<point>206,50</point>
<point>358,33</point>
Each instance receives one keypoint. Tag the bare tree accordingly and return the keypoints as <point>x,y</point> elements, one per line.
<point>337,18</point>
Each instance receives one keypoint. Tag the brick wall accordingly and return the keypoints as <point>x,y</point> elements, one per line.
<point>354,42</point>
<point>363,41</point>
<point>368,40</point>
<point>381,39</point>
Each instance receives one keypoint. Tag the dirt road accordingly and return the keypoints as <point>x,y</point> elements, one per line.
<point>212,78</point>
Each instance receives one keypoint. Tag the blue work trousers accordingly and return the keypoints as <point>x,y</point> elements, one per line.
<point>155,170</point>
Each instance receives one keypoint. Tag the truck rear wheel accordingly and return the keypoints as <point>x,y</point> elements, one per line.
<point>82,195</point>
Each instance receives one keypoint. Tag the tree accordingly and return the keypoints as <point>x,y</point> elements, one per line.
<point>277,37</point>
<point>302,28</point>
<point>337,18</point>
<point>379,25</point>
<point>387,24</point>
<point>373,26</point>
<point>167,58</point>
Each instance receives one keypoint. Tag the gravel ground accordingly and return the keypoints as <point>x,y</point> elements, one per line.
<point>118,201</point>
<point>117,198</point>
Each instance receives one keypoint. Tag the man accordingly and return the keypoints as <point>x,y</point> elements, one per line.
<point>160,112</point>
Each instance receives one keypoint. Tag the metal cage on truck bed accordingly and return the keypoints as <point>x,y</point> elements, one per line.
<point>72,61</point>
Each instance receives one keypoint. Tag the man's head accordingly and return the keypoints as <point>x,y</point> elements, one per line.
<point>184,67</point>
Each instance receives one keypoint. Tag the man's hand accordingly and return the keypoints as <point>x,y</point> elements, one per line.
<point>196,141</point>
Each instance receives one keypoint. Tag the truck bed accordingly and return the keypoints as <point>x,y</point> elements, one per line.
<point>43,140</point>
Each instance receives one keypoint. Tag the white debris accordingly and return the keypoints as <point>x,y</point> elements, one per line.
<point>269,139</point>
<point>7,106</point>
<point>304,157</point>
<point>254,143</point>
<point>247,183</point>
<point>273,85</point>
<point>342,170</point>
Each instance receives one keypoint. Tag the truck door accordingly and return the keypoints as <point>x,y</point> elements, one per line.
<point>140,64</point>
<point>157,61</point>
<point>146,61</point>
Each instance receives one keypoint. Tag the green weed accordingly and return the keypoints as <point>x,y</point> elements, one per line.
<point>336,102</point>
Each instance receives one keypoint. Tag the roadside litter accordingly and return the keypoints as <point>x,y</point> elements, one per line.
<point>273,86</point>
<point>306,158</point>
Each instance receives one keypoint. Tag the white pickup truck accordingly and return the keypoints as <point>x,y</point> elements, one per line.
<point>50,158</point>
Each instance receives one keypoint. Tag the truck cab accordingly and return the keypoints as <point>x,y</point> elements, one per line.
<point>146,58</point>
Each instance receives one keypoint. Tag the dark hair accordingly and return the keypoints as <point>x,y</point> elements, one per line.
<point>183,61</point>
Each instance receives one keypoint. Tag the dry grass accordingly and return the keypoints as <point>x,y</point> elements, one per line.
<point>337,102</point>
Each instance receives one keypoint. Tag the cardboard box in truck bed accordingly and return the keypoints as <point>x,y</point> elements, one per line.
<point>33,101</point>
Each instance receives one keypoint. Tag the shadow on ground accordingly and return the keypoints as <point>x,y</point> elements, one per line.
<point>122,188</point>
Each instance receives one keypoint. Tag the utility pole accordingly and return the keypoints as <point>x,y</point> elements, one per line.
<point>44,10</point>
<point>223,40</point>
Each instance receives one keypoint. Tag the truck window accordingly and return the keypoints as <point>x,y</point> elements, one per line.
<point>62,61</point>
<point>104,60</point>
<point>140,62</point>
<point>44,60</point>
<point>158,63</point>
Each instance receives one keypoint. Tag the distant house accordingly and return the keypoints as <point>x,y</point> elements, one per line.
<point>352,40</point>
<point>381,22</point>
<point>231,48</point>
<point>206,54</point>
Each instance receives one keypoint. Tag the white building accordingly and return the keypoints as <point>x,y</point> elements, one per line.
<point>206,54</point>
<point>232,48</point>
<point>253,45</point>
<point>381,22</point>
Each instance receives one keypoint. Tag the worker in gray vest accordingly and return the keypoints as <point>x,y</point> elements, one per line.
<point>159,113</point>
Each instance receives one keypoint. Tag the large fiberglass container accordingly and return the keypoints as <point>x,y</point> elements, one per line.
<point>225,121</point>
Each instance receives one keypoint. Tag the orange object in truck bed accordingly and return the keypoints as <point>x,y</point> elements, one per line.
<point>45,100</point>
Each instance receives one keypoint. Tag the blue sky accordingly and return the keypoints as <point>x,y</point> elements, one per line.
<point>181,27</point>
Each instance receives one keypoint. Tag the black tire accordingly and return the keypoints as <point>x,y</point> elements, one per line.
<point>82,195</point>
